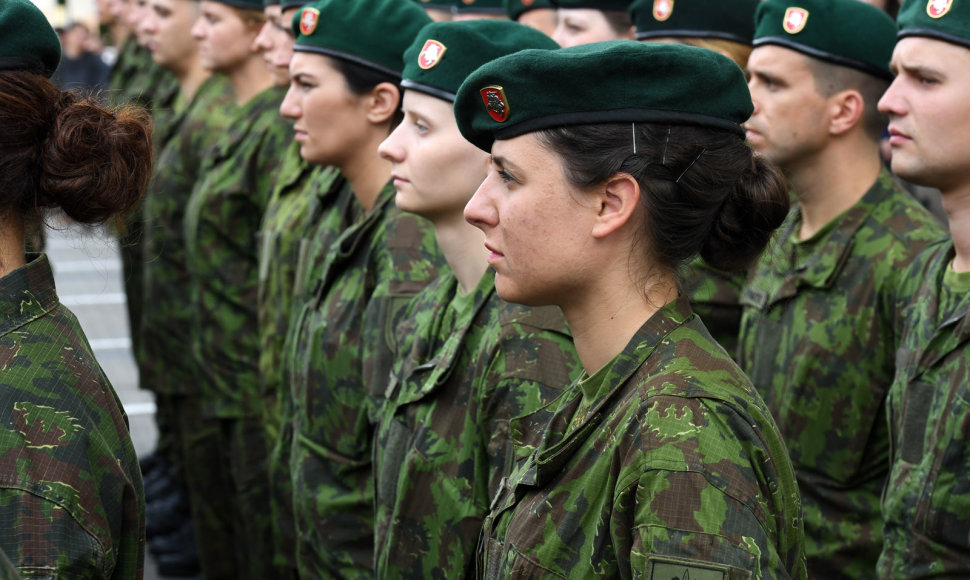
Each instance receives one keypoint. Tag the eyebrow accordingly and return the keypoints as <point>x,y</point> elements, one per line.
<point>915,69</point>
<point>504,163</point>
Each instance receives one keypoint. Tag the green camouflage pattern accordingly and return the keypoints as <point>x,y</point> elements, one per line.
<point>71,497</point>
<point>339,362</point>
<point>818,341</point>
<point>926,504</point>
<point>467,365</point>
<point>715,296</point>
<point>306,212</point>
<point>166,327</point>
<point>665,463</point>
<point>222,220</point>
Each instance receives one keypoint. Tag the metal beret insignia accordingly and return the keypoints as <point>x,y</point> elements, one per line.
<point>938,8</point>
<point>662,9</point>
<point>496,104</point>
<point>308,21</point>
<point>430,54</point>
<point>795,19</point>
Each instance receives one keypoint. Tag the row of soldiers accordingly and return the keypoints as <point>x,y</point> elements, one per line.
<point>266,276</point>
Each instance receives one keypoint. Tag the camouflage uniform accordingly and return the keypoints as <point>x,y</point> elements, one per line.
<point>818,341</point>
<point>165,328</point>
<point>468,365</point>
<point>715,296</point>
<point>339,361</point>
<point>222,220</point>
<point>305,209</point>
<point>665,463</point>
<point>71,498</point>
<point>926,504</point>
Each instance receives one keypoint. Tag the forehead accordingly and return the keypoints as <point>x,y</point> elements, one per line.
<point>933,54</point>
<point>777,59</point>
<point>317,65</point>
<point>425,104</point>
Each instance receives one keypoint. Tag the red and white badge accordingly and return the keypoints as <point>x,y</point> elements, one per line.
<point>662,9</point>
<point>795,19</point>
<point>938,8</point>
<point>496,104</point>
<point>431,54</point>
<point>528,3</point>
<point>308,21</point>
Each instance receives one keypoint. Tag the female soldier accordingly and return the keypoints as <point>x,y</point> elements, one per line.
<point>227,474</point>
<point>585,21</point>
<point>71,499</point>
<point>662,460</point>
<point>345,100</point>
<point>728,28</point>
<point>468,362</point>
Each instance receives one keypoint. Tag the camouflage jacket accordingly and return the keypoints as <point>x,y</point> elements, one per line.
<point>818,341</point>
<point>165,328</point>
<point>222,220</point>
<point>339,364</point>
<point>665,463</point>
<point>715,296</point>
<point>293,212</point>
<point>136,78</point>
<point>469,364</point>
<point>926,504</point>
<point>71,498</point>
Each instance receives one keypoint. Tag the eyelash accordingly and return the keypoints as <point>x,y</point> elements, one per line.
<point>506,176</point>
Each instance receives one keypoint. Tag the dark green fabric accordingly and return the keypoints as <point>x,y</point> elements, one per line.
<point>348,30</point>
<point>694,19</point>
<point>947,20</point>
<point>516,8</point>
<point>479,6</point>
<point>445,53</point>
<point>27,40</point>
<point>604,5</point>
<point>602,82</point>
<point>244,4</point>
<point>852,34</point>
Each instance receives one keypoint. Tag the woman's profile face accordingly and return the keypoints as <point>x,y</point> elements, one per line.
<point>576,26</point>
<point>435,169</point>
<point>537,225</point>
<point>328,117</point>
<point>225,39</point>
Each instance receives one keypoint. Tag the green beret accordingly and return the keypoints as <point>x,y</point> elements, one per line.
<point>844,32</point>
<point>445,53</point>
<point>437,4</point>
<point>270,3</point>
<point>287,4</point>
<point>479,6</point>
<point>516,8</point>
<point>604,5</point>
<point>602,82</point>
<point>721,19</point>
<point>27,41</point>
<point>256,5</point>
<point>373,33</point>
<point>947,20</point>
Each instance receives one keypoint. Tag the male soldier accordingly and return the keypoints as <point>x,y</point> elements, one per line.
<point>200,113</point>
<point>538,14</point>
<point>817,335</point>
<point>926,504</point>
<point>303,212</point>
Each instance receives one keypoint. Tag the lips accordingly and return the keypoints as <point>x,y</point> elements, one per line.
<point>897,137</point>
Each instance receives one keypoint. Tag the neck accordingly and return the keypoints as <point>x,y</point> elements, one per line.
<point>72,51</point>
<point>832,182</point>
<point>463,246</point>
<point>605,318</point>
<point>249,79</point>
<point>11,244</point>
<point>956,202</point>
<point>367,174</point>
<point>119,34</point>
<point>191,78</point>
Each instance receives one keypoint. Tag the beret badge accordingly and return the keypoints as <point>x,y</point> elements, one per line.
<point>308,21</point>
<point>938,8</point>
<point>431,54</point>
<point>496,104</point>
<point>662,9</point>
<point>795,19</point>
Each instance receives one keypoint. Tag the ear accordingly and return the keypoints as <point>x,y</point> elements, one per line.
<point>618,201</point>
<point>382,102</point>
<point>845,111</point>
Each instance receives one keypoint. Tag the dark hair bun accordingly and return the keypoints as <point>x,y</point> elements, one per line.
<point>95,163</point>
<point>748,217</point>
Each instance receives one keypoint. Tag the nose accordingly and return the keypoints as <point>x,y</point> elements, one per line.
<point>390,148</point>
<point>480,210</point>
<point>890,103</point>
<point>198,28</point>
<point>290,107</point>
